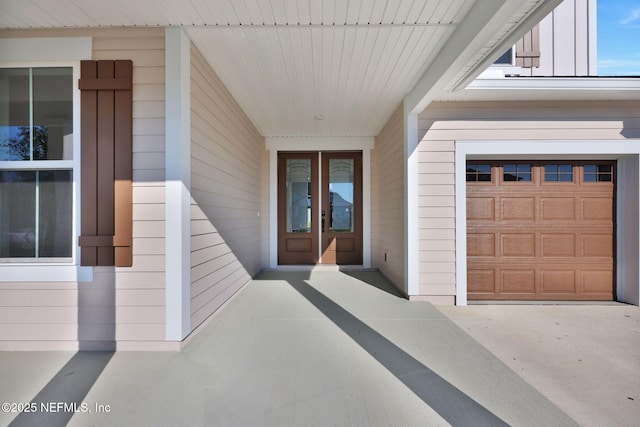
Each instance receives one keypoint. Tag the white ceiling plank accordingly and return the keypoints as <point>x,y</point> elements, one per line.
<point>405,12</point>
<point>337,11</point>
<point>37,17</point>
<point>354,12</point>
<point>279,12</point>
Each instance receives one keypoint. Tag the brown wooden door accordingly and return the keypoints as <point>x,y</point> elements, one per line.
<point>320,223</point>
<point>540,230</point>
<point>297,208</point>
<point>341,223</point>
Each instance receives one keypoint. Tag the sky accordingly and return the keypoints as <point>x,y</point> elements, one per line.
<point>619,37</point>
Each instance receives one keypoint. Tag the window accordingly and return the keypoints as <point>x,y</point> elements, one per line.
<point>598,173</point>
<point>558,173</point>
<point>36,164</point>
<point>520,172</point>
<point>506,58</point>
<point>478,173</point>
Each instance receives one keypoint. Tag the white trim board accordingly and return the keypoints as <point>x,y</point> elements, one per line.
<point>46,49</point>
<point>626,152</point>
<point>178,185</point>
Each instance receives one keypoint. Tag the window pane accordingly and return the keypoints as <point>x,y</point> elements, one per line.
<point>505,58</point>
<point>52,114</point>
<point>15,133</point>
<point>55,201</point>
<point>478,173</point>
<point>517,172</point>
<point>35,214</point>
<point>298,195</point>
<point>17,214</point>
<point>590,168</point>
<point>558,173</point>
<point>509,168</point>
<point>341,186</point>
<point>604,168</point>
<point>598,173</point>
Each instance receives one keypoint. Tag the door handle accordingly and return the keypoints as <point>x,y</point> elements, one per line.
<point>323,214</point>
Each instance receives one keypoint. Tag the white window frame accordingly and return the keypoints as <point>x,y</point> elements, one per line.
<point>67,270</point>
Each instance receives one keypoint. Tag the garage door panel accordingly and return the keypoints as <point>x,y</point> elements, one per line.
<point>481,208</point>
<point>558,209</point>
<point>479,245</point>
<point>481,281</point>
<point>597,245</point>
<point>597,282</point>
<point>518,209</point>
<point>518,245</point>
<point>597,209</point>
<point>558,281</point>
<point>541,240</point>
<point>518,281</point>
<point>558,245</point>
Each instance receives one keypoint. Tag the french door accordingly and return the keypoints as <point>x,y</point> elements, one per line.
<point>320,208</point>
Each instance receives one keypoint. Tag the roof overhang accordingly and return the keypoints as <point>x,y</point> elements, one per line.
<point>548,89</point>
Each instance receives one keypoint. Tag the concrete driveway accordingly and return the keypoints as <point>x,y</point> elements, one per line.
<point>583,357</point>
<point>316,349</point>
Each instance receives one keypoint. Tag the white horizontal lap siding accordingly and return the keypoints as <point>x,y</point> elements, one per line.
<point>442,124</point>
<point>139,297</point>
<point>436,196</point>
<point>387,200</point>
<point>38,315</point>
<point>226,180</point>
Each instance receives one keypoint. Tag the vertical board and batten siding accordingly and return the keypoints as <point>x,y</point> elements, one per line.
<point>442,124</point>
<point>122,304</point>
<point>567,41</point>
<point>226,180</point>
<point>387,199</point>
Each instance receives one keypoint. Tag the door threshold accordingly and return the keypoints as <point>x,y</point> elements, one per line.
<point>321,267</point>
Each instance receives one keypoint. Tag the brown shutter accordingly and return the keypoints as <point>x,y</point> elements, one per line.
<point>106,163</point>
<point>528,49</point>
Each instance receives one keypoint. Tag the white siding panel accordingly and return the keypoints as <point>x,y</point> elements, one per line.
<point>564,39</point>
<point>442,124</point>
<point>226,191</point>
<point>148,246</point>
<point>387,200</point>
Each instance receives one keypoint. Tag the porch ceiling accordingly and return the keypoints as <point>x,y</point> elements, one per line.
<point>315,68</point>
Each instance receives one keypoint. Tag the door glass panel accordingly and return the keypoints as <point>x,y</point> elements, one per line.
<point>341,187</point>
<point>298,195</point>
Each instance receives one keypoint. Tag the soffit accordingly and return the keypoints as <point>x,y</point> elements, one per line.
<point>290,62</point>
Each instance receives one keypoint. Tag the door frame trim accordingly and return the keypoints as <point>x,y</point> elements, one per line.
<point>626,152</point>
<point>295,144</point>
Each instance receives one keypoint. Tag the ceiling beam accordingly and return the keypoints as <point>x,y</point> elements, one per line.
<point>483,21</point>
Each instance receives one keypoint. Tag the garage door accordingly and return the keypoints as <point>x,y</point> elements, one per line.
<point>540,230</point>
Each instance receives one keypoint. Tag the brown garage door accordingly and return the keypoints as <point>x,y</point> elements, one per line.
<point>540,230</point>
